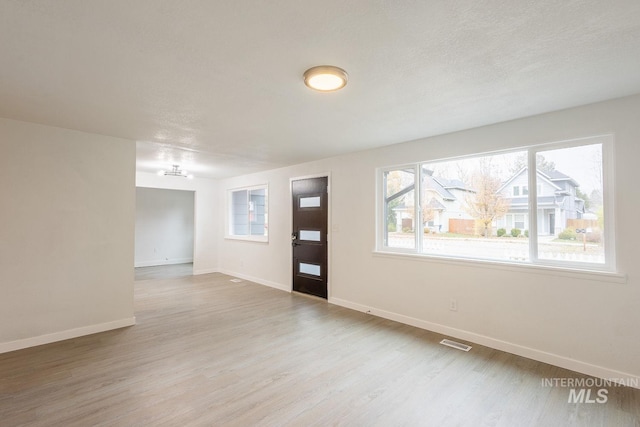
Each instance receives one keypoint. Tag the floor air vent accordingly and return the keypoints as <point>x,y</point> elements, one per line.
<point>457,345</point>
<point>236,280</point>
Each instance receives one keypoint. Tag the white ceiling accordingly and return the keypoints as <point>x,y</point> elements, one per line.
<point>216,86</point>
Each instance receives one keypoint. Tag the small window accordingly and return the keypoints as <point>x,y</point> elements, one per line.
<point>248,213</point>
<point>519,221</point>
<point>516,190</point>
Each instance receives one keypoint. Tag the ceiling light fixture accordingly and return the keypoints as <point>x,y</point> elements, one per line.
<point>325,78</point>
<point>175,171</point>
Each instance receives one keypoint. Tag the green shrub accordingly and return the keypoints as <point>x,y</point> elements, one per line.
<point>526,233</point>
<point>391,228</point>
<point>567,234</point>
<point>515,232</point>
<point>406,229</point>
<point>501,232</point>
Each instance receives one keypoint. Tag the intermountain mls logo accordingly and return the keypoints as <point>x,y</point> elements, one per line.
<point>589,390</point>
<point>583,395</point>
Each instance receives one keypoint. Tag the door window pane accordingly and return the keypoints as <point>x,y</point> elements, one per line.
<point>310,202</point>
<point>310,235</point>
<point>311,269</point>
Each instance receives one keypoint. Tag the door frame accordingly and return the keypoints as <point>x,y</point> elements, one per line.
<point>329,228</point>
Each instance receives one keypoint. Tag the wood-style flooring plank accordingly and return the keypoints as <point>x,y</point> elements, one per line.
<point>207,351</point>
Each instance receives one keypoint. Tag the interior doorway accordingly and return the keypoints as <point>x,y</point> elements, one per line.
<point>164,232</point>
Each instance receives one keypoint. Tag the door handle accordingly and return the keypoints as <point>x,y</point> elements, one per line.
<point>294,239</point>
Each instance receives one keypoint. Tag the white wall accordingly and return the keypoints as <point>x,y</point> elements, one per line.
<point>579,321</point>
<point>207,224</point>
<point>164,227</point>
<point>66,233</point>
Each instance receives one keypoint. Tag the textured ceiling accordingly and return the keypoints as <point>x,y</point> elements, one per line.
<point>216,86</point>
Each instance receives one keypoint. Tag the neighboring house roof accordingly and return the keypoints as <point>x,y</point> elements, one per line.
<point>555,175</point>
<point>443,185</point>
<point>401,207</point>
<point>510,180</point>
<point>435,185</point>
<point>436,205</point>
<point>551,177</point>
<point>454,184</point>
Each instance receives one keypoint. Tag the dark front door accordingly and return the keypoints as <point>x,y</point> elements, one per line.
<point>309,236</point>
<point>552,224</point>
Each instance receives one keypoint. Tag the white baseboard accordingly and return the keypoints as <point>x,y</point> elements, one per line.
<point>530,353</point>
<point>205,271</point>
<point>153,263</point>
<point>269,283</point>
<point>6,347</point>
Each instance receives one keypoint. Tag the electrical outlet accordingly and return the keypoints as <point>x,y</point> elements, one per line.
<point>453,304</point>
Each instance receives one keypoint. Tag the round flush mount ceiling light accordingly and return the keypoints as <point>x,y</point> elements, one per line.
<point>325,78</point>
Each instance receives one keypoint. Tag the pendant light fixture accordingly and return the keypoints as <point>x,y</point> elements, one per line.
<point>175,171</point>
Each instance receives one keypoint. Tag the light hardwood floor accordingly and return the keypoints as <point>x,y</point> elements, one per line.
<point>171,271</point>
<point>210,352</point>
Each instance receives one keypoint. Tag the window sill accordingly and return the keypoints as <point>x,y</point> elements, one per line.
<point>596,275</point>
<point>255,239</point>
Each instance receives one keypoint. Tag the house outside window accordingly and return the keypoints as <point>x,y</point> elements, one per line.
<point>480,207</point>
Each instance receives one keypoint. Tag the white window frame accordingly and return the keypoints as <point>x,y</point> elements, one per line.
<point>609,266</point>
<point>229,215</point>
<point>381,210</point>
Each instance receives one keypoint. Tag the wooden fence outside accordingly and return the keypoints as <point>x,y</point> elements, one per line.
<point>407,224</point>
<point>582,223</point>
<point>462,226</point>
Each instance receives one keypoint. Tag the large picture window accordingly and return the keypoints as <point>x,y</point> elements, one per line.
<point>546,205</point>
<point>248,213</point>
